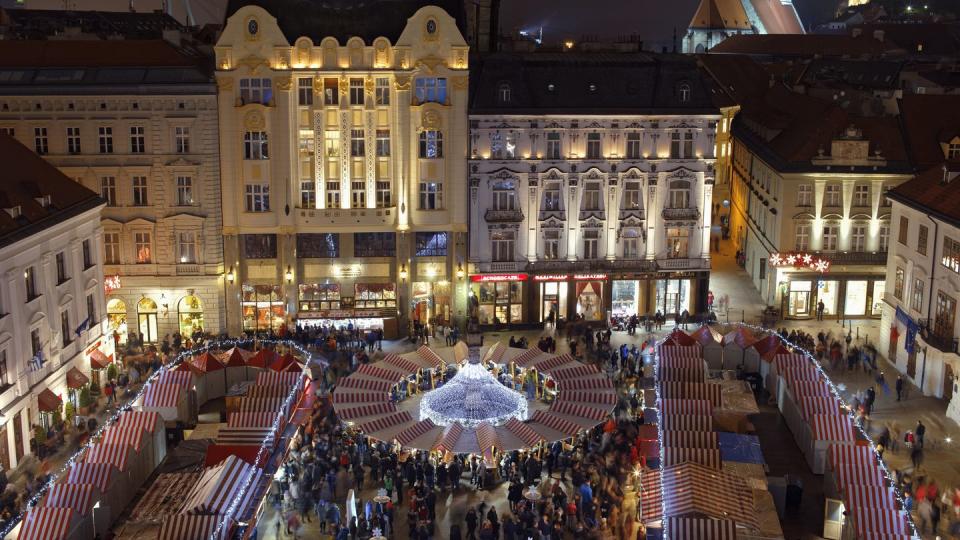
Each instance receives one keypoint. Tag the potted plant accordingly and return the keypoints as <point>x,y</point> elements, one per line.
<point>40,435</point>
<point>112,372</point>
<point>57,418</point>
<point>84,401</point>
<point>70,412</point>
<point>94,389</point>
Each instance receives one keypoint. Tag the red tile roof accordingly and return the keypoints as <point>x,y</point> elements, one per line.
<point>928,192</point>
<point>929,121</point>
<point>801,45</point>
<point>777,17</point>
<point>92,53</point>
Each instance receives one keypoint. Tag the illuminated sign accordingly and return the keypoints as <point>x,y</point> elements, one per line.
<point>799,260</point>
<point>484,278</point>
<point>110,284</point>
<point>589,277</point>
<point>552,277</point>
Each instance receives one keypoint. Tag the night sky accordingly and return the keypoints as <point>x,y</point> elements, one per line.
<point>652,20</point>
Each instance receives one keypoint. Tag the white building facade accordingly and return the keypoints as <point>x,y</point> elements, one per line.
<point>343,174</point>
<point>142,133</point>
<point>584,213</point>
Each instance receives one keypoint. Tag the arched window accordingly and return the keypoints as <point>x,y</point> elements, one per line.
<point>683,92</point>
<point>117,318</point>
<point>679,194</point>
<point>431,144</point>
<point>504,93</point>
<point>147,319</point>
<point>190,314</point>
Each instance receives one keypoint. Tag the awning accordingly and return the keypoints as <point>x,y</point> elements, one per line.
<point>76,379</point>
<point>831,427</point>
<point>262,359</point>
<point>79,497</point>
<point>98,360</point>
<point>190,527</point>
<point>48,401</point>
<point>691,528</point>
<point>691,489</point>
<point>42,523</point>
<point>206,362</point>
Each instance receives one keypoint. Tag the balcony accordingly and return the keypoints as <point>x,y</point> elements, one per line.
<point>589,213</point>
<point>556,213</point>
<point>681,214</point>
<point>188,270</point>
<point>503,216</point>
<point>683,264</point>
<point>946,344</point>
<point>631,213</point>
<point>865,258</point>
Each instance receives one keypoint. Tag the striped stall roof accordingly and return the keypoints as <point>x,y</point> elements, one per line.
<point>850,474</point>
<point>130,436</point>
<point>809,388</point>
<point>487,436</point>
<point>850,453</point>
<point>783,361</point>
<point>260,404</point>
<point>402,363</point>
<point>583,370</point>
<point>251,419</point>
<point>46,523</point>
<point>410,434</point>
<point>235,357</point>
<point>523,432</point>
<point>380,372</point>
<point>693,528</point>
<point>688,374</point>
<point>268,391</point>
<point>671,352</point>
<point>692,391</point>
<point>245,435</point>
<point>799,373</point>
<point>145,420</point>
<point>681,362</point>
<point>708,457</point>
<point>364,384</point>
<point>669,407</point>
<point>556,423</point>
<point>98,475</point>
<point>584,396</point>
<point>687,422</point>
<point>861,496</point>
<point>831,427</point>
<point>592,383</point>
<point>574,409</point>
<point>163,395</point>
<point>496,355</point>
<point>79,497</point>
<point>385,422</point>
<point>690,439</point>
<point>190,527</point>
<point>430,357</point>
<point>285,378</point>
<point>377,409</point>
<point>810,405</point>
<point>112,454</point>
<point>343,396</point>
<point>651,496</point>
<point>182,378</point>
<point>527,356</point>
<point>878,521</point>
<point>692,488</point>
<point>218,486</point>
<point>552,364</point>
<point>448,441</point>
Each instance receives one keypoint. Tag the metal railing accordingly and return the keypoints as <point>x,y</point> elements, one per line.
<point>499,216</point>
<point>681,213</point>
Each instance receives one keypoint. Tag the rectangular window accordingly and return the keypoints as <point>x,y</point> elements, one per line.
<point>333,194</point>
<point>631,246</point>
<point>904,232</point>
<point>61,260</point>
<point>65,330</point>
<point>591,196</point>
<point>675,145</point>
<point>384,200</point>
<point>861,195</point>
<point>831,195</point>
<point>356,91</point>
<point>256,91</point>
<point>951,254</point>
<point>358,194</point>
<point>181,139</point>
<point>553,145</point>
<point>139,184</point>
<point>633,145</point>
<point>255,145</point>
<point>187,247</point>
<point>40,141</point>
<point>35,346</point>
<point>431,244</point>
<point>884,237</point>
<point>108,190</point>
<point>916,298</point>
<point>858,238</point>
<point>830,235</point>
<point>591,241</point>
<point>431,90</point>
<point>383,143</point>
<point>631,196</point>
<point>431,144</point>
<point>593,146</point>
<point>331,91</point>
<point>184,191</point>
<point>9,131</point>
<point>431,196</point>
<point>357,145</point>
<point>106,140</point>
<point>30,283</point>
<point>946,316</point>
<point>688,145</point>
<point>259,246</point>
<point>383,91</point>
<point>551,244</point>
<point>332,144</point>
<point>73,140</point>
<point>551,198</point>
<point>502,245</point>
<point>805,195</point>
<point>111,248</point>
<point>922,240</point>
<point>318,246</point>
<point>143,244</point>
<point>91,311</point>
<point>258,198</point>
<point>138,140</point>
<point>803,237</point>
<point>87,254</point>
<point>308,194</point>
<point>898,277</point>
<point>305,91</point>
<point>375,244</point>
<point>4,372</point>
<point>953,150</point>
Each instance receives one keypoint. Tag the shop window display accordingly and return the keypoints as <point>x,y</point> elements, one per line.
<point>828,293</point>
<point>190,312</point>
<point>262,307</point>
<point>319,296</point>
<point>117,319</point>
<point>590,300</point>
<point>879,287</point>
<point>500,301</point>
<point>375,296</point>
<point>625,298</point>
<point>855,302</point>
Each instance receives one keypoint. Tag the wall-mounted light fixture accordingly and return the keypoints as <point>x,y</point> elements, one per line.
<point>289,274</point>
<point>231,276</point>
<point>460,272</point>
<point>403,272</point>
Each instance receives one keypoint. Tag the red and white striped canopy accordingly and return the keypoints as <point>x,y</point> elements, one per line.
<point>575,409</point>
<point>496,355</point>
<point>361,383</point>
<point>850,453</point>
<point>112,454</point>
<point>690,439</point>
<point>410,434</point>
<point>206,362</point>
<point>523,432</point>
<point>584,396</point>
<point>79,497</point>
<point>486,436</point>
<point>692,488</point>
<point>404,364</point>
<point>98,475</point>
<point>687,422</point>
<point>708,457</point>
<point>251,419</point>
<point>692,528</point>
<point>385,422</point>
<point>218,486</point>
<point>651,496</point>
<point>268,391</point>
<point>343,396</point>
<point>878,520</point>
<point>448,441</point>
<point>163,395</point>
<point>687,374</point>
<point>552,364</point>
<point>189,527</point>
<point>130,436</point>
<point>670,407</point>
<point>377,409</point>
<point>235,357</point>
<point>791,359</point>
<point>260,404</point>
<point>145,420</point>
<point>575,372</point>
<point>848,474</point>
<point>809,388</point>
<point>527,356</point>
<point>556,423</point>
<point>285,378</point>
<point>431,358</point>
<point>799,373</point>
<point>673,352</point>
<point>831,427</point>
<point>248,436</point>
<point>182,378</point>
<point>590,383</point>
<point>46,523</point>
<point>861,496</point>
<point>810,405</point>
<point>712,393</point>
<point>680,362</point>
<point>380,372</point>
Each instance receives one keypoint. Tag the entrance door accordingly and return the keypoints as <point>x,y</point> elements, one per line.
<point>148,327</point>
<point>912,362</point>
<point>800,303</point>
<point>4,449</point>
<point>947,382</point>
<point>833,519</point>
<point>18,437</point>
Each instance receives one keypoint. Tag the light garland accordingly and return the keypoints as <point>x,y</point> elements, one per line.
<point>799,260</point>
<point>659,408</point>
<point>98,435</point>
<point>471,397</point>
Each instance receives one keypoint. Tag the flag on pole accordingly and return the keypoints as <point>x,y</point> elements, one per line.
<point>83,326</point>
<point>36,363</point>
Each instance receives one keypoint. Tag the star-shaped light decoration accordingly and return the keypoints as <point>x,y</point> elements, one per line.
<point>791,259</point>
<point>807,258</point>
<point>377,531</point>
<point>821,266</point>
<point>776,259</point>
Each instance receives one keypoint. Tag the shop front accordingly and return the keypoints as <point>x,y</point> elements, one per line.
<point>431,299</point>
<point>570,295</point>
<point>843,297</point>
<point>365,306</point>
<point>500,297</point>
<point>117,320</point>
<point>262,307</point>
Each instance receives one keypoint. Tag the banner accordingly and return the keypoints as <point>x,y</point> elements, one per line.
<point>911,338</point>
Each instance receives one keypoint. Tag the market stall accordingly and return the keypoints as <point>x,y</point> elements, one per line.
<point>46,523</point>
<point>735,343</point>
<point>210,377</point>
<point>78,497</point>
<point>235,365</point>
<point>170,401</point>
<point>112,486</point>
<point>191,527</point>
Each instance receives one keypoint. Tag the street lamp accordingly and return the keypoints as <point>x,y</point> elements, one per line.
<point>231,276</point>
<point>403,272</point>
<point>289,274</point>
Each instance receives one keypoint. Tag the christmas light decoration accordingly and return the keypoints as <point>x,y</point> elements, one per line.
<point>659,405</point>
<point>799,260</point>
<point>471,397</point>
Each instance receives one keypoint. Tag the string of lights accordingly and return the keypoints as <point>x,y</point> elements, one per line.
<point>660,448</point>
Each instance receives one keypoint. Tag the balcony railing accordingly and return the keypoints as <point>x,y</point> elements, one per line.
<point>631,212</point>
<point>595,212</point>
<point>682,264</point>
<point>856,257</point>
<point>947,344</point>
<point>188,269</point>
<point>547,214</point>
<point>681,213</point>
<point>503,216</point>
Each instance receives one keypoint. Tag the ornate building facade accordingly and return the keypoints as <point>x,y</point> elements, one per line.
<point>343,163</point>
<point>138,125</point>
<point>591,181</point>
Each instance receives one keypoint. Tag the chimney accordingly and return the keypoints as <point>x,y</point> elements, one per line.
<point>878,35</point>
<point>856,32</point>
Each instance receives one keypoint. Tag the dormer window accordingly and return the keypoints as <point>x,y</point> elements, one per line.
<point>504,93</point>
<point>15,211</point>
<point>683,92</point>
<point>43,201</point>
<point>552,88</point>
<point>953,148</point>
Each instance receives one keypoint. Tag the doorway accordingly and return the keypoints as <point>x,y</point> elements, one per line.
<point>912,362</point>
<point>18,436</point>
<point>947,382</point>
<point>799,299</point>
<point>147,318</point>
<point>4,449</point>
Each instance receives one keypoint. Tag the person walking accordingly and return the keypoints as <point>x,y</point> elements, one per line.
<point>820,309</point>
<point>899,386</point>
<point>919,432</point>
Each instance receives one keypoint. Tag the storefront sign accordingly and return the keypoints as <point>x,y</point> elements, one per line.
<point>485,278</point>
<point>589,277</point>
<point>552,277</point>
<point>799,260</point>
<point>110,284</point>
<point>347,314</point>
